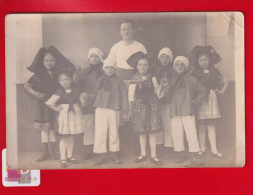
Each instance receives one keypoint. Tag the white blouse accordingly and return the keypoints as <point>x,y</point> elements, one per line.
<point>52,101</point>
<point>132,87</point>
<point>122,51</point>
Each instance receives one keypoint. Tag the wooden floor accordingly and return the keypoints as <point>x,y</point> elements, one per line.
<point>28,161</point>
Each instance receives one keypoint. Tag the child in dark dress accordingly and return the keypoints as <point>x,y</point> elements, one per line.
<point>66,101</point>
<point>144,107</point>
<point>46,64</point>
<point>87,81</point>
<point>163,73</point>
<point>204,59</point>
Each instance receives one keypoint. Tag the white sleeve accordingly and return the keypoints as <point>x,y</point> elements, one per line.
<point>157,88</point>
<point>83,97</point>
<point>224,79</point>
<point>155,83</point>
<point>52,100</point>
<point>131,92</point>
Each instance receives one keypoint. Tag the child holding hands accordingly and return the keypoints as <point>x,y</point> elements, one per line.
<point>45,66</point>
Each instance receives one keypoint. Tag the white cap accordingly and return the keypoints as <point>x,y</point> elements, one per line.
<point>96,51</point>
<point>182,59</point>
<point>109,62</point>
<point>166,51</point>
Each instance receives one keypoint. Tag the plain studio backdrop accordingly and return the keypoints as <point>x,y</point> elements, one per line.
<point>74,34</point>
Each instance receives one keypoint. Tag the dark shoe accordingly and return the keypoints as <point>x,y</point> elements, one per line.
<point>201,153</point>
<point>160,150</point>
<point>182,157</point>
<point>140,158</point>
<point>217,156</point>
<point>115,159</point>
<point>46,154</point>
<point>63,163</point>
<point>156,161</point>
<point>195,158</point>
<point>87,156</point>
<point>101,160</point>
<point>54,157</point>
<point>52,151</point>
<point>168,151</point>
<point>44,157</point>
<point>72,160</point>
<point>88,152</point>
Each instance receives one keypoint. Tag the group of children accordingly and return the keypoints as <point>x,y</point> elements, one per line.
<point>163,102</point>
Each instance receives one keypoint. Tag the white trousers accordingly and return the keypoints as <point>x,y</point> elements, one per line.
<point>89,129</point>
<point>106,124</point>
<point>165,137</point>
<point>180,124</point>
<point>47,136</point>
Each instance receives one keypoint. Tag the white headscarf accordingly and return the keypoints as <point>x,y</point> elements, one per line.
<point>166,51</point>
<point>109,62</point>
<point>96,51</point>
<point>182,59</point>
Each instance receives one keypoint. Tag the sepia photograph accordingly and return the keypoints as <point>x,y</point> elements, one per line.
<point>125,90</point>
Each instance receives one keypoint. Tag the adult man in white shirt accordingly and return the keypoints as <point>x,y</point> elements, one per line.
<point>122,50</point>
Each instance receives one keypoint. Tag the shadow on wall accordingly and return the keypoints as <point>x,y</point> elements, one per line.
<point>29,138</point>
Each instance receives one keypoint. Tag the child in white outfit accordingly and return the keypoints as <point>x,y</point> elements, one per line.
<point>110,102</point>
<point>184,94</point>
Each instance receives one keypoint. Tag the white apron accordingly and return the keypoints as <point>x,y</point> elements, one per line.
<point>69,121</point>
<point>209,109</point>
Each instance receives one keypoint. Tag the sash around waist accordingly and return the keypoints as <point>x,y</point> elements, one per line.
<point>66,107</point>
<point>125,74</point>
<point>145,96</point>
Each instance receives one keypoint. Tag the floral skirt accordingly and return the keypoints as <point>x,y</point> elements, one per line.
<point>146,118</point>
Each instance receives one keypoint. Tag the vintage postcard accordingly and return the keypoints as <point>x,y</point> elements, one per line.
<point>125,90</point>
